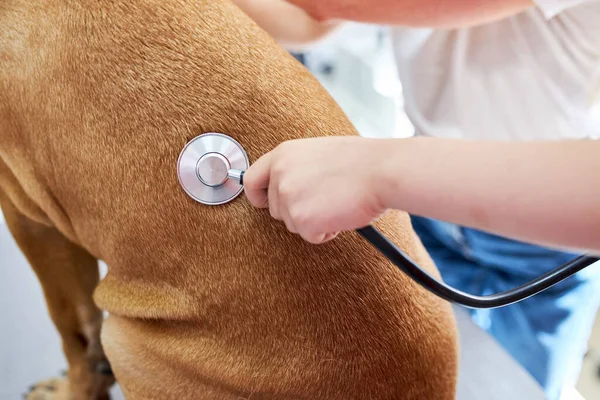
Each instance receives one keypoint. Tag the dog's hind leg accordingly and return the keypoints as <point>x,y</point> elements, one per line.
<point>68,276</point>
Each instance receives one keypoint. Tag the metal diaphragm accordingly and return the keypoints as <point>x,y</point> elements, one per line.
<point>203,166</point>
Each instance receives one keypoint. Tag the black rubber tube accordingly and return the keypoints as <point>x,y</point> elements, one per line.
<point>440,289</point>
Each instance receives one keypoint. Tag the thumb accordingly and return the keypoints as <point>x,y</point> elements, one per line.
<point>256,181</point>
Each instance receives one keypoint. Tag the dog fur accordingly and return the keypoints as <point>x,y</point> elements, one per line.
<point>97,99</point>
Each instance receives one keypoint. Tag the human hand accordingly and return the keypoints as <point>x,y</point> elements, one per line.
<point>320,187</point>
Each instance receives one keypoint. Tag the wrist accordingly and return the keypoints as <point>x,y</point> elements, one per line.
<point>383,162</point>
<point>398,162</point>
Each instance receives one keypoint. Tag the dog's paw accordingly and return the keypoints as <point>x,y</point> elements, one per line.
<point>51,389</point>
<point>58,388</point>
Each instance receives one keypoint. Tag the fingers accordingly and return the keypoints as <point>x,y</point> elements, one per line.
<point>256,181</point>
<point>330,236</point>
<point>285,217</point>
<point>264,189</point>
<point>278,207</point>
<point>318,238</point>
<point>273,201</point>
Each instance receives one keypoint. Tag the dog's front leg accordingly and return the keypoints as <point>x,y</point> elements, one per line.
<point>68,275</point>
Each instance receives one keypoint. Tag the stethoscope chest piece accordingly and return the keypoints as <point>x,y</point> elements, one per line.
<point>204,164</point>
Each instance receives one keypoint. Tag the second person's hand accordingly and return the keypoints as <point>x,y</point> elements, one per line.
<point>321,186</point>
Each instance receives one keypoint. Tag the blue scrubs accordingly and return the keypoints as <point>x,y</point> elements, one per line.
<point>546,333</point>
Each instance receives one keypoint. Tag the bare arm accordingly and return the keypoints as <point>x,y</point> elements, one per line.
<point>545,192</point>
<point>541,192</point>
<point>286,22</point>
<point>301,22</point>
<point>424,13</point>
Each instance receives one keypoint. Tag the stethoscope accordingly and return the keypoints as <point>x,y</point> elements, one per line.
<point>211,171</point>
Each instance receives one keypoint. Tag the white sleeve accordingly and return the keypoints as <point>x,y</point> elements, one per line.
<point>551,8</point>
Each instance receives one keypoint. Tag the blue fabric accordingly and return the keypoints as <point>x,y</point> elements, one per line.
<point>547,333</point>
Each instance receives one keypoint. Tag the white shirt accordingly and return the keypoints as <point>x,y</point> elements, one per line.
<point>535,75</point>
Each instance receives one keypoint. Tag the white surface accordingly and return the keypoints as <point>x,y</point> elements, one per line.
<point>30,348</point>
<point>571,394</point>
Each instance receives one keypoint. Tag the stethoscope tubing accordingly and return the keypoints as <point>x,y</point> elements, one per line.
<point>446,292</point>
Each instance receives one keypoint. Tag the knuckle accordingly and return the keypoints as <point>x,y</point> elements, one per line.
<point>274,212</point>
<point>290,226</point>
<point>313,238</point>
<point>299,216</point>
<point>278,168</point>
<point>286,190</point>
<point>308,237</point>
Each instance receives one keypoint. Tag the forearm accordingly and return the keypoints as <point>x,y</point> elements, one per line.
<point>287,23</point>
<point>423,13</point>
<point>543,192</point>
<point>300,22</point>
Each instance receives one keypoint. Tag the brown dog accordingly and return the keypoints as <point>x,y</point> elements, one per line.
<point>97,98</point>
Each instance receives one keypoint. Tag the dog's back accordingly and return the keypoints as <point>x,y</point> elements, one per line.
<point>96,101</point>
